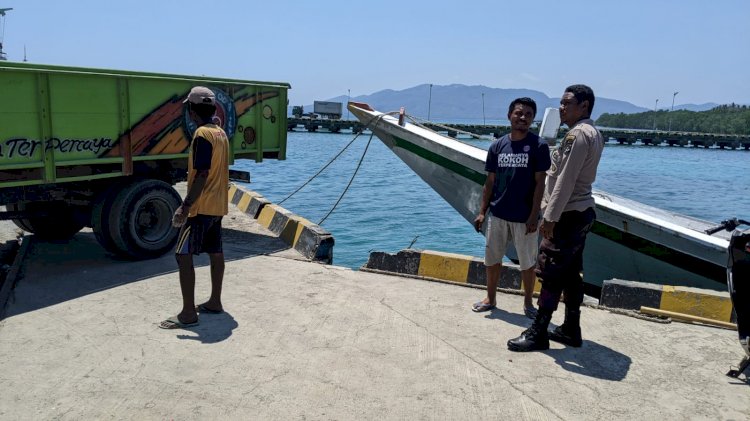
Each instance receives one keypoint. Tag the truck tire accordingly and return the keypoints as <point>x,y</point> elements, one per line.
<point>100,214</point>
<point>140,219</point>
<point>60,222</point>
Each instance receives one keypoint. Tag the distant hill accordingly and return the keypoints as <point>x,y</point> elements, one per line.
<point>727,119</point>
<point>459,102</point>
<point>462,102</point>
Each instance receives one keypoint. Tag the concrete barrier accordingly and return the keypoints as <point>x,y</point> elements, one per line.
<point>468,270</point>
<point>6,287</point>
<point>311,240</point>
<point>710,304</point>
<point>440,266</point>
<point>247,201</point>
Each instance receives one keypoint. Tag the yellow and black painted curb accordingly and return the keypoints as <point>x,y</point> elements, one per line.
<point>706,303</point>
<point>311,240</point>
<point>468,270</point>
<point>436,265</point>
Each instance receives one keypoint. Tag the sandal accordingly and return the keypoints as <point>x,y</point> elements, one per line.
<point>481,306</point>
<point>175,323</point>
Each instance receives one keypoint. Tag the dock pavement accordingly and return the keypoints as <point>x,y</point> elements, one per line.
<point>306,341</point>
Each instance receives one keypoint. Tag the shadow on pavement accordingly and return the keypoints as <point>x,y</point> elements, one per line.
<point>213,328</point>
<point>53,273</point>
<point>518,319</point>
<point>592,360</point>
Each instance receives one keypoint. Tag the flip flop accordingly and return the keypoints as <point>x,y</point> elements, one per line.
<point>201,308</point>
<point>530,312</point>
<point>175,323</point>
<point>479,307</point>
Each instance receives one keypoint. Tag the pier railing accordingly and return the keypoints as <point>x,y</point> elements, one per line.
<point>621,136</point>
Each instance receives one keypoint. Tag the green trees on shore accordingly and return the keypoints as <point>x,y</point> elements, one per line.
<point>724,119</point>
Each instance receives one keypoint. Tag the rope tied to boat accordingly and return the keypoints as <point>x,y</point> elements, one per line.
<point>351,179</point>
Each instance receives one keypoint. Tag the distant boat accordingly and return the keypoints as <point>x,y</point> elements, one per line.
<point>630,240</point>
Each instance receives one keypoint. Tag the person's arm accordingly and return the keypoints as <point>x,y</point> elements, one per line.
<point>486,197</point>
<point>202,153</point>
<point>199,182</point>
<point>490,165</point>
<point>531,224</point>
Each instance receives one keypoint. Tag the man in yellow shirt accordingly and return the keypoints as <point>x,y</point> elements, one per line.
<point>199,216</point>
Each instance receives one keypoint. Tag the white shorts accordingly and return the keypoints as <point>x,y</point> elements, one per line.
<point>499,234</point>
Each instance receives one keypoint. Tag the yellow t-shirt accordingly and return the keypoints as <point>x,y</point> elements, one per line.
<point>213,199</point>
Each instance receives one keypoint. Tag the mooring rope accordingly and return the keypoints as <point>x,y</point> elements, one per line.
<point>413,119</point>
<point>321,170</point>
<point>359,164</point>
<point>356,170</point>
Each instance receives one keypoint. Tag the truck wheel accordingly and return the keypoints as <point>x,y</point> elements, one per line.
<point>24,224</point>
<point>100,215</point>
<point>140,219</point>
<point>60,222</point>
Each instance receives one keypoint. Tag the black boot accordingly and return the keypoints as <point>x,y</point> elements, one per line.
<point>569,333</point>
<point>534,338</point>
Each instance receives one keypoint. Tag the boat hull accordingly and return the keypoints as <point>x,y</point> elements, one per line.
<point>629,240</point>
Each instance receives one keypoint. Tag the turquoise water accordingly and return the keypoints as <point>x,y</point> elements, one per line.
<point>388,206</point>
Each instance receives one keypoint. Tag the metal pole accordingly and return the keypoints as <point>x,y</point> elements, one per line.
<point>670,117</point>
<point>348,98</point>
<point>429,103</point>
<point>483,120</point>
<point>655,105</point>
<point>2,32</point>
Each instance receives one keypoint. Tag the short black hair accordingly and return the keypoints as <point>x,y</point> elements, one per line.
<point>204,111</point>
<point>582,93</point>
<point>523,101</point>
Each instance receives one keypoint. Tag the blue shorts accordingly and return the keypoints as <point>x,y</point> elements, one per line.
<point>200,234</point>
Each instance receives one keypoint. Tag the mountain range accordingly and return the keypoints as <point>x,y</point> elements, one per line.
<point>459,102</point>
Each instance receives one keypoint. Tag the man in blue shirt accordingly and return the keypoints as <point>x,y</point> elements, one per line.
<point>568,217</point>
<point>516,169</point>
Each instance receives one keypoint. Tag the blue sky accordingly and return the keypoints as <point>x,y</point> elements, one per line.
<point>633,50</point>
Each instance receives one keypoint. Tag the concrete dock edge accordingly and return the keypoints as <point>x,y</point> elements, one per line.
<point>710,304</point>
<point>616,293</point>
<point>15,270</point>
<point>311,240</point>
<point>630,295</point>
<point>249,202</point>
<point>430,264</point>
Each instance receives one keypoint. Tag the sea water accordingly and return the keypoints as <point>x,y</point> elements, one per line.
<point>389,208</point>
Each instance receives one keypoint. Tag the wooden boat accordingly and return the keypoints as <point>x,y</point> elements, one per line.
<point>630,240</point>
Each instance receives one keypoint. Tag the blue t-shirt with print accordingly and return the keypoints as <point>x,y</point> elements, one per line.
<point>514,163</point>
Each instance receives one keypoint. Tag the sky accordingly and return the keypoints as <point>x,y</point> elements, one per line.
<point>635,50</point>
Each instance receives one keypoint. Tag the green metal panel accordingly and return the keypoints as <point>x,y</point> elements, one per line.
<point>45,128</point>
<point>63,116</point>
<point>282,105</point>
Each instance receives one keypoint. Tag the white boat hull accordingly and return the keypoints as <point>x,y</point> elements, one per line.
<point>629,241</point>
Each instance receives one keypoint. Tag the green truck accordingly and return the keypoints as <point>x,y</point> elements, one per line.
<point>83,147</point>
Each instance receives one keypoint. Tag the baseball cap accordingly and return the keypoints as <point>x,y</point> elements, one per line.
<point>201,95</point>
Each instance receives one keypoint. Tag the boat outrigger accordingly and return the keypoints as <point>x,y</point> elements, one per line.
<point>630,240</point>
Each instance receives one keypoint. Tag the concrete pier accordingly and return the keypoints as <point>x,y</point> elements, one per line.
<point>304,340</point>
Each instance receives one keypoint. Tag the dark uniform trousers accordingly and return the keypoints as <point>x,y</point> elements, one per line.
<point>560,260</point>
